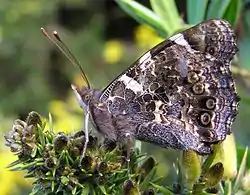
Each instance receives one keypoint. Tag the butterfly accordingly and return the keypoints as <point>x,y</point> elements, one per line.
<point>180,94</point>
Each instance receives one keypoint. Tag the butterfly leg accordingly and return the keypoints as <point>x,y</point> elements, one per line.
<point>126,142</point>
<point>125,136</point>
<point>129,145</point>
<point>86,131</point>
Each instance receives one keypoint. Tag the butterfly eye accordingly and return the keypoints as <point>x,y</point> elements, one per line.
<point>86,97</point>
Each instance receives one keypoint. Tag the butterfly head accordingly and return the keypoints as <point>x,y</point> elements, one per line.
<point>85,96</point>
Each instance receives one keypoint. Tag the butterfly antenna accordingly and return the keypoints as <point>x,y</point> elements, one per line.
<point>65,50</point>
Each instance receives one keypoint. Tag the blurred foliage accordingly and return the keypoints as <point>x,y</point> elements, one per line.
<point>35,76</point>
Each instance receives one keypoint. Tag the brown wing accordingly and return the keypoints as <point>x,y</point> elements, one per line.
<point>181,93</point>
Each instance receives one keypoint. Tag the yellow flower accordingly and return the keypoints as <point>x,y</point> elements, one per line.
<point>63,117</point>
<point>10,181</point>
<point>146,37</point>
<point>113,51</point>
<point>79,82</point>
<point>225,152</point>
<point>230,161</point>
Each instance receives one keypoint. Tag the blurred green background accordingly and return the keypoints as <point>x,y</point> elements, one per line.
<point>34,75</point>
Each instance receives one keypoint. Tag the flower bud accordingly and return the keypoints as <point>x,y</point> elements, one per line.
<point>49,163</point>
<point>149,191</point>
<point>192,167</point>
<point>129,188</point>
<point>60,142</point>
<point>34,119</point>
<point>102,167</point>
<point>213,175</point>
<point>86,162</point>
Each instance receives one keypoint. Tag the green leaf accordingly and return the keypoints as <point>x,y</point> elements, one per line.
<point>53,186</point>
<point>145,184</point>
<point>228,188</point>
<point>86,190</point>
<point>240,153</point>
<point>102,188</point>
<point>217,8</point>
<point>34,152</point>
<point>36,189</point>
<point>196,11</point>
<point>162,189</point>
<point>241,171</point>
<point>74,191</point>
<point>143,15</point>
<point>14,163</point>
<point>168,13</point>
<point>41,135</point>
<point>231,14</point>
<point>17,169</point>
<point>25,166</point>
<point>50,122</point>
<point>179,169</point>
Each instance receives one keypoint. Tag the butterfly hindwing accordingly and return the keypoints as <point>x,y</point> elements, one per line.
<point>181,93</point>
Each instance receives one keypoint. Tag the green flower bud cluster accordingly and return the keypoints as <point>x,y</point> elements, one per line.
<point>55,162</point>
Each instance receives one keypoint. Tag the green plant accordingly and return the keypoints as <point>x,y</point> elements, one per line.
<point>54,160</point>
<point>55,163</point>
